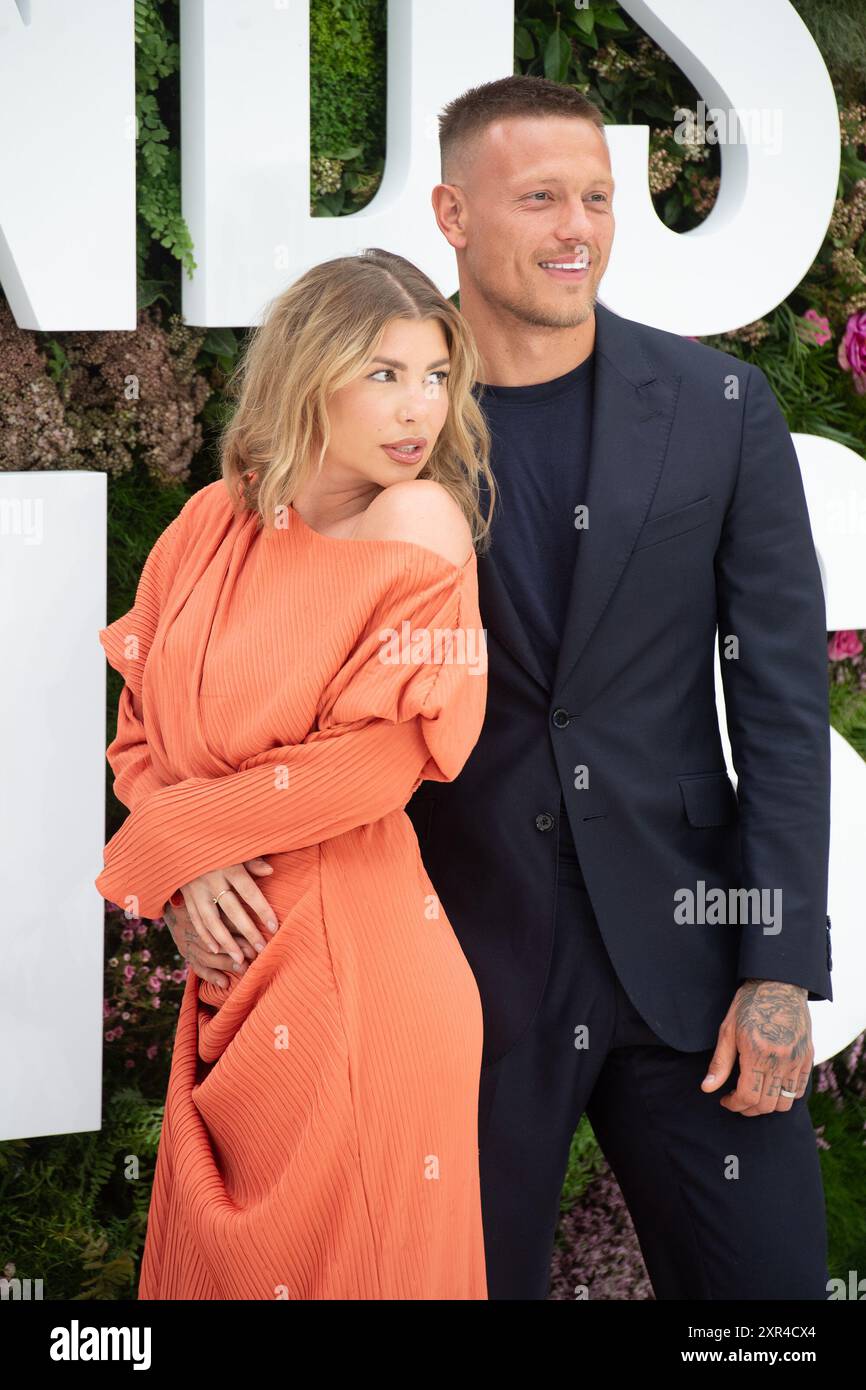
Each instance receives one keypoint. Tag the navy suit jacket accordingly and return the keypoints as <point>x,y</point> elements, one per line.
<point>697,522</point>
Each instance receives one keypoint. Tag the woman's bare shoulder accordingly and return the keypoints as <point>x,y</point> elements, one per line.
<point>422,511</point>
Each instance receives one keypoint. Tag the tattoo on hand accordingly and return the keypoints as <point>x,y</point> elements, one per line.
<point>774,1015</point>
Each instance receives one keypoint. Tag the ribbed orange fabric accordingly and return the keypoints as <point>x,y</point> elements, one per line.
<point>320,1132</point>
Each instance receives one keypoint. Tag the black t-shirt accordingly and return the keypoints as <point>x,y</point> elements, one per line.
<point>540,461</point>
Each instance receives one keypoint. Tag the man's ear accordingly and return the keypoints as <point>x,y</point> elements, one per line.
<point>449,207</point>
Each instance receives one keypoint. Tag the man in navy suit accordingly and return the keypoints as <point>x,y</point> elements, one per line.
<point>641,933</point>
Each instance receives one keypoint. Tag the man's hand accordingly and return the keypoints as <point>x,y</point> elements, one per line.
<point>769,1028</point>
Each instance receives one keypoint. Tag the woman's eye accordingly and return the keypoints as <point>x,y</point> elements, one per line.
<point>388,372</point>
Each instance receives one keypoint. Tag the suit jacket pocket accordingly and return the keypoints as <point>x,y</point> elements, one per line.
<point>663,528</point>
<point>709,798</point>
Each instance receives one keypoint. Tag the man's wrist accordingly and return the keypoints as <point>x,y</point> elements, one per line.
<point>765,980</point>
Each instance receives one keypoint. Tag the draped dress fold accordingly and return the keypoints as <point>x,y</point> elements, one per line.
<point>285,693</point>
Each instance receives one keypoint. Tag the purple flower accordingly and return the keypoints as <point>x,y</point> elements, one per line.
<point>814,328</point>
<point>843,644</point>
<point>851,354</point>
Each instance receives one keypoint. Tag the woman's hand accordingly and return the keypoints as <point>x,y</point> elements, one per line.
<point>235,887</point>
<point>203,963</point>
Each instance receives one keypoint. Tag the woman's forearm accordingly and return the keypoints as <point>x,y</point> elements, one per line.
<point>304,794</point>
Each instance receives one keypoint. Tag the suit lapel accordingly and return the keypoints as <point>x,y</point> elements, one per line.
<point>632,413</point>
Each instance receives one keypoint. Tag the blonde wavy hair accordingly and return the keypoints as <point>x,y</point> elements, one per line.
<point>316,337</point>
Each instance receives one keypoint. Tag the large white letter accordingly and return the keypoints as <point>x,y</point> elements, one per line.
<point>67,163</point>
<point>52,810</point>
<point>245,111</point>
<point>778,181</point>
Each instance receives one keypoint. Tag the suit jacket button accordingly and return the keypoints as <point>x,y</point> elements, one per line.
<point>544,821</point>
<point>561,718</point>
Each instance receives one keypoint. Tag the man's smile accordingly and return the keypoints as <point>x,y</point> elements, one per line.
<point>573,267</point>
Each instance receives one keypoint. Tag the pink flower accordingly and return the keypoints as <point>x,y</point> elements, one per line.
<point>843,644</point>
<point>129,972</point>
<point>851,354</point>
<point>151,1052</point>
<point>814,328</point>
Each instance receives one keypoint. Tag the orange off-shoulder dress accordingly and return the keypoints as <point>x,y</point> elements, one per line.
<point>284,695</point>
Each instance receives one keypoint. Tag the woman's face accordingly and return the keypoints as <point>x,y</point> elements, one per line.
<point>399,398</point>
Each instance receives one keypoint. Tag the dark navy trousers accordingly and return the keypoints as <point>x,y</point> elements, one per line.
<point>704,1233</point>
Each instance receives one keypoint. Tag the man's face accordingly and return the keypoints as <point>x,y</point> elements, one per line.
<point>536,192</point>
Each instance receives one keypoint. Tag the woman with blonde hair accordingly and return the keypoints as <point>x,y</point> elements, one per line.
<point>304,649</point>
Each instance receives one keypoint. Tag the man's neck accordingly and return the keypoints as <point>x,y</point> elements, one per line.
<point>516,353</point>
